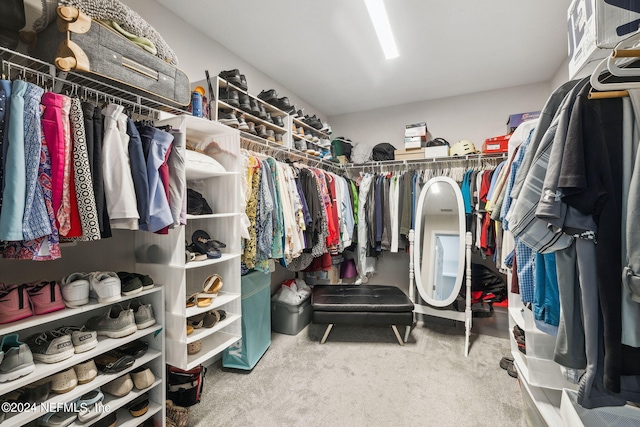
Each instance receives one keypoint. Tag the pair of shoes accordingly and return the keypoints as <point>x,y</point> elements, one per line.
<point>206,244</point>
<point>142,377</point>
<point>507,364</point>
<point>139,406</point>
<point>313,121</point>
<point>87,405</point>
<point>228,118</point>
<point>114,361</point>
<point>16,359</point>
<point>135,348</point>
<point>252,128</point>
<point>235,78</point>
<point>86,371</point>
<point>519,336</point>
<point>64,381</point>
<point>119,387</point>
<point>277,120</point>
<point>230,97</point>
<point>77,288</point>
<point>142,313</point>
<point>192,253</point>
<point>82,338</point>
<point>116,322</point>
<point>242,124</point>
<point>133,283</point>
<point>51,346</point>
<point>22,301</point>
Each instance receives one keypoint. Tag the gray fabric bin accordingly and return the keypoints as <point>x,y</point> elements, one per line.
<point>290,319</point>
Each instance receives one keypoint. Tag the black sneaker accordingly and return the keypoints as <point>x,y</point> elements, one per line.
<point>130,283</point>
<point>268,95</point>
<point>268,118</point>
<point>51,347</point>
<point>283,103</point>
<point>232,76</point>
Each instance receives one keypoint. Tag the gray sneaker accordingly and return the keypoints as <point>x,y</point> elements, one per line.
<point>143,313</point>
<point>17,359</point>
<point>82,338</point>
<point>51,347</point>
<point>117,322</point>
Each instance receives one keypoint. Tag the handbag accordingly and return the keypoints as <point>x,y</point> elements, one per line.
<point>197,204</point>
<point>184,388</point>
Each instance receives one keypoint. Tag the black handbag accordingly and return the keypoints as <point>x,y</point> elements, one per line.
<point>384,151</point>
<point>12,20</point>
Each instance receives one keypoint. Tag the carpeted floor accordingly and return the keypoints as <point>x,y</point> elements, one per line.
<point>362,377</point>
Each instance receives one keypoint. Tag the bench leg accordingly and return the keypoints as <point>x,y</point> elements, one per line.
<point>406,333</point>
<point>398,337</point>
<point>326,333</point>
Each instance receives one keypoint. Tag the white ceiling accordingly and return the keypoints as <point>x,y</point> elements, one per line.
<point>327,52</point>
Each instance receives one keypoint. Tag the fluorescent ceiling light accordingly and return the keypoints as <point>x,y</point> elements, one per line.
<point>380,21</point>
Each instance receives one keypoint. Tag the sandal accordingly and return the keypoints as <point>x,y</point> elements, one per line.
<point>212,284</point>
<point>212,318</point>
<point>190,329</point>
<point>196,321</point>
<point>199,300</point>
<point>193,254</point>
<point>205,244</point>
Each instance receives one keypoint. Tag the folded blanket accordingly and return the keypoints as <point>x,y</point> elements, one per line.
<point>127,19</point>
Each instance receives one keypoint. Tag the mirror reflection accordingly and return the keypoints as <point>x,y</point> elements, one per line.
<point>441,242</point>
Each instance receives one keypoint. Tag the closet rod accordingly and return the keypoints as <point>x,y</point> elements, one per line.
<point>249,140</point>
<point>428,163</point>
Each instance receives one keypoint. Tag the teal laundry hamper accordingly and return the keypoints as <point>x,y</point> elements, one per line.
<point>256,323</point>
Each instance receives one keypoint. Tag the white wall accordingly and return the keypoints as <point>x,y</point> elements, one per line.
<point>475,117</point>
<point>197,52</point>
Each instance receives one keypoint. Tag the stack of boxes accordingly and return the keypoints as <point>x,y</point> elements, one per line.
<point>415,141</point>
<point>500,144</point>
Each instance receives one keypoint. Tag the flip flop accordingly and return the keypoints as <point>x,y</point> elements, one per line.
<point>205,244</point>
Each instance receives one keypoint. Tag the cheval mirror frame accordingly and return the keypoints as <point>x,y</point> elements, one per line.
<point>434,307</point>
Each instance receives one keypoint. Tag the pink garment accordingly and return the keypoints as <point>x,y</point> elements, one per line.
<point>52,128</point>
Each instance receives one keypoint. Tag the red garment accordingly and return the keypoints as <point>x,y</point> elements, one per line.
<point>487,243</point>
<point>164,178</point>
<point>334,239</point>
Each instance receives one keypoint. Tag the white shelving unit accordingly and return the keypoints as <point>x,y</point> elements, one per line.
<point>153,358</point>
<point>221,191</point>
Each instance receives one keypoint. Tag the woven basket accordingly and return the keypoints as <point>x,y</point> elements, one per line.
<point>194,347</point>
<point>177,415</point>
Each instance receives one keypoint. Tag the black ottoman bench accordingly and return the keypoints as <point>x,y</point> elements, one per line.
<point>362,305</point>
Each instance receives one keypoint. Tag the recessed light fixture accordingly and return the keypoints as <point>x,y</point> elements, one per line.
<point>380,20</point>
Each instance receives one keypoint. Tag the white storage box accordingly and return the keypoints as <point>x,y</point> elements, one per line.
<point>595,27</point>
<point>436,152</point>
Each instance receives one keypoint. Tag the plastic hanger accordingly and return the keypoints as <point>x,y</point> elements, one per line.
<point>598,85</point>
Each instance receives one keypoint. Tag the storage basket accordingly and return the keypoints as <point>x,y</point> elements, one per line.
<point>177,414</point>
<point>194,347</point>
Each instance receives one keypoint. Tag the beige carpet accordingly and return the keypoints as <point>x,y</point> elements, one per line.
<point>362,377</point>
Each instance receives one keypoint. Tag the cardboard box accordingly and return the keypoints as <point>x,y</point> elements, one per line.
<point>516,119</point>
<point>412,142</point>
<point>416,129</point>
<point>415,154</point>
<point>436,152</point>
<point>497,144</point>
<point>595,26</point>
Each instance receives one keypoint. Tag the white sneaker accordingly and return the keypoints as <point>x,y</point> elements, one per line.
<point>75,289</point>
<point>105,286</point>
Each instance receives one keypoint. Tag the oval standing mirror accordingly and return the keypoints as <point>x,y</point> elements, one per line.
<point>439,256</point>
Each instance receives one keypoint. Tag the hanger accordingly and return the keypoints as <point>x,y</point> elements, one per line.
<point>608,87</point>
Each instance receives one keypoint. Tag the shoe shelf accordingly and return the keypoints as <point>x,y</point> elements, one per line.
<point>193,175</point>
<point>187,278</point>
<point>208,262</point>
<point>25,417</point>
<point>253,118</point>
<point>269,108</point>
<point>117,404</point>
<point>321,134</point>
<point>44,370</point>
<point>221,300</point>
<point>542,404</point>
<point>213,345</point>
<point>37,320</point>
<point>201,333</point>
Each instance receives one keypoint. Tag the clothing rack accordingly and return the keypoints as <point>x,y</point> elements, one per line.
<point>17,65</point>
<point>280,152</point>
<point>481,161</point>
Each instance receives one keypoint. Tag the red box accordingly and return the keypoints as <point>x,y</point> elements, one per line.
<point>497,144</point>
